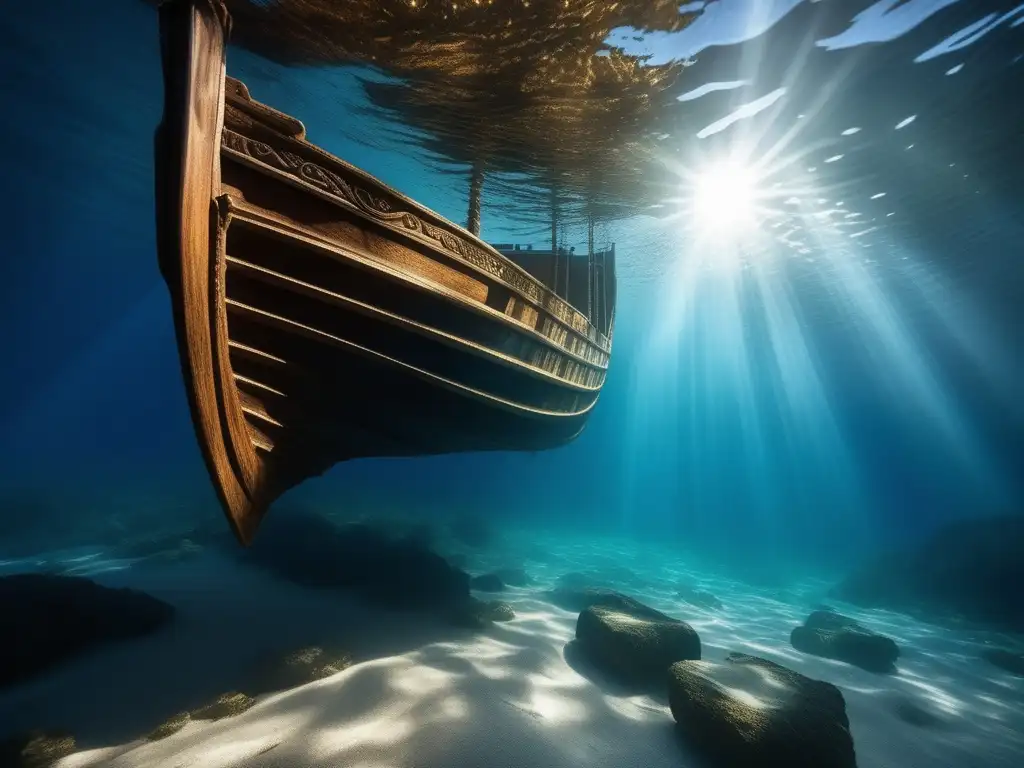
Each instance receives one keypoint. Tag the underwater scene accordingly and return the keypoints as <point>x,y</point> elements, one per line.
<point>527,383</point>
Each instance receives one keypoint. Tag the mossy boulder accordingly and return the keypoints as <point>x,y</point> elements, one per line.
<point>169,727</point>
<point>299,668</point>
<point>634,644</point>
<point>225,705</point>
<point>750,711</point>
<point>834,636</point>
<point>36,749</point>
<point>496,610</point>
<point>478,614</point>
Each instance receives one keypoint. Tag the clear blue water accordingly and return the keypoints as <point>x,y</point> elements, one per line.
<point>844,379</point>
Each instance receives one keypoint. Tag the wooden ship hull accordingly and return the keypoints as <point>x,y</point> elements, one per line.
<point>321,316</point>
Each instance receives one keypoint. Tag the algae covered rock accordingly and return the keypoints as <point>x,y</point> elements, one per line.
<point>749,711</point>
<point>298,668</point>
<point>37,749</point>
<point>634,646</point>
<point>496,610</point>
<point>169,727</point>
<point>46,619</point>
<point>225,705</point>
<point>834,636</point>
<point>477,614</point>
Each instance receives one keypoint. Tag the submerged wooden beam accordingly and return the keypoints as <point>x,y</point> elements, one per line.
<point>476,187</point>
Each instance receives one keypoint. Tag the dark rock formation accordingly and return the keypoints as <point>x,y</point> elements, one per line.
<point>970,569</point>
<point>273,674</point>
<point>478,614</point>
<point>225,705</point>
<point>169,727</point>
<point>45,619</point>
<point>499,611</point>
<point>835,636</point>
<point>298,668</point>
<point>698,597</point>
<point>800,723</point>
<point>408,530</point>
<point>306,549</point>
<point>37,749</point>
<point>1008,661</point>
<point>634,643</point>
<point>488,582</point>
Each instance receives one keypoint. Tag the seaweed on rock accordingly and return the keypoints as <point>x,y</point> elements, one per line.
<point>36,749</point>
<point>751,711</point>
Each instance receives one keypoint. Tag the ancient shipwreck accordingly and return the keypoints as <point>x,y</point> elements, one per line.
<point>322,316</point>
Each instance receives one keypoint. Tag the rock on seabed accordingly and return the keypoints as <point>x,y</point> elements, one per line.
<point>748,711</point>
<point>46,619</point>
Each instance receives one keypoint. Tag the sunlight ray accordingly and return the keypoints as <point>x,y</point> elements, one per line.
<point>889,342</point>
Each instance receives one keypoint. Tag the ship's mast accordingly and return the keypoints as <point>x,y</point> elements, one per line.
<point>591,272</point>
<point>554,219</point>
<point>553,206</point>
<point>476,186</point>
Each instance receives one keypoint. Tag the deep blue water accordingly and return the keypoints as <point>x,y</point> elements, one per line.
<point>842,380</point>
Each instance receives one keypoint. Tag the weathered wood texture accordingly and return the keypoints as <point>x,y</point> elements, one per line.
<point>322,316</point>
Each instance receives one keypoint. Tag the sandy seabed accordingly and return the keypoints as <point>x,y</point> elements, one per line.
<point>425,695</point>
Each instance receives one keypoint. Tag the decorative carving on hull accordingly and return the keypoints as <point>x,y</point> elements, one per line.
<point>384,210</point>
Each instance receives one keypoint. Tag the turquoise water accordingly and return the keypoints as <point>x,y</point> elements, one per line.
<point>793,390</point>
